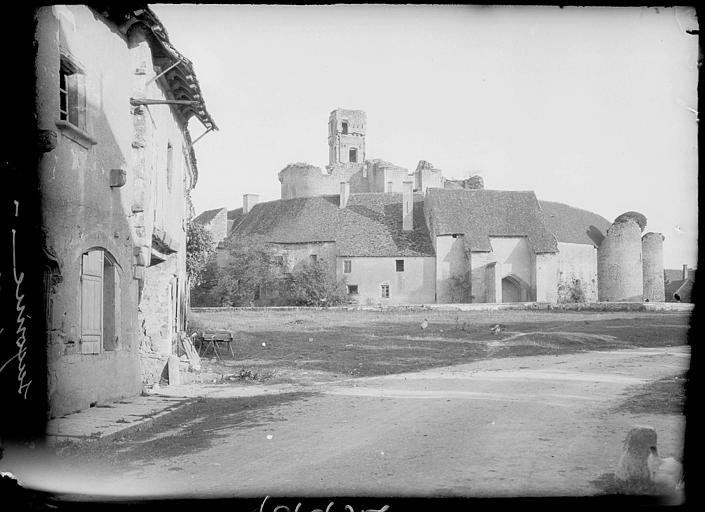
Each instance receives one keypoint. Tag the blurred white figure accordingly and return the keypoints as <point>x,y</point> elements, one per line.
<point>424,324</point>
<point>666,473</point>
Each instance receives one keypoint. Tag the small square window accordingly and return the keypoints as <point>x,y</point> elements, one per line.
<point>352,289</point>
<point>385,291</point>
<point>400,265</point>
<point>347,266</point>
<point>313,258</point>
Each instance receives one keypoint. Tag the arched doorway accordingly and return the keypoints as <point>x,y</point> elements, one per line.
<point>513,290</point>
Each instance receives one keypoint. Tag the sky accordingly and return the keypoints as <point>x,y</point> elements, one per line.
<point>595,107</point>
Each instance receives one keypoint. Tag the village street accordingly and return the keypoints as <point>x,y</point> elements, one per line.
<point>539,425</point>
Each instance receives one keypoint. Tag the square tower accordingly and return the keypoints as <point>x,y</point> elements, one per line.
<point>346,136</point>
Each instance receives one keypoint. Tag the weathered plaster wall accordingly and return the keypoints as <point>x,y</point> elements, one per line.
<point>452,262</point>
<point>577,261</point>
<point>159,210</point>
<point>298,255</point>
<point>415,285</point>
<point>80,210</point>
<point>545,277</point>
<point>652,251</point>
<point>513,257</point>
<point>485,277</point>
<point>619,264</point>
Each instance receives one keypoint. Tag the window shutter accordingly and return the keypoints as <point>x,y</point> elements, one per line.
<point>92,302</point>
<point>76,85</point>
<point>118,308</point>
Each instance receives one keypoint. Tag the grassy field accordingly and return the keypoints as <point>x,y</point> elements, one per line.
<point>335,343</point>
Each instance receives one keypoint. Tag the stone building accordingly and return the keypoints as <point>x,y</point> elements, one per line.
<point>403,238</point>
<point>116,97</point>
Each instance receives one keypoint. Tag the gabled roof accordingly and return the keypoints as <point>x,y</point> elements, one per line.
<point>370,224</point>
<point>234,218</point>
<point>207,216</point>
<point>574,225</point>
<point>479,214</point>
<point>181,78</point>
<point>673,274</point>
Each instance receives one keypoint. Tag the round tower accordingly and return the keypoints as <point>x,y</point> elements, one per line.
<point>619,267</point>
<point>346,136</point>
<point>652,254</point>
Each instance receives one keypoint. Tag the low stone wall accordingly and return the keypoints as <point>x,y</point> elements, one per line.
<point>545,306</point>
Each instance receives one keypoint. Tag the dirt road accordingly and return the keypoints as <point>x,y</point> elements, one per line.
<point>541,425</point>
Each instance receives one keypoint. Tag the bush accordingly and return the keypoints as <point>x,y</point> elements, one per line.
<point>571,292</point>
<point>254,267</point>
<point>315,285</point>
<point>200,246</point>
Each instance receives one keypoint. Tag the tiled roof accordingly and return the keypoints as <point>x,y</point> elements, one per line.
<point>234,218</point>
<point>207,216</point>
<point>370,224</point>
<point>479,214</point>
<point>684,289</point>
<point>574,225</point>
<point>673,274</point>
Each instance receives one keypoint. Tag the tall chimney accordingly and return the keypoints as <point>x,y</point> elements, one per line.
<point>685,272</point>
<point>248,202</point>
<point>408,206</point>
<point>344,193</point>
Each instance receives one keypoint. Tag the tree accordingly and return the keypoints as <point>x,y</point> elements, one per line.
<point>254,267</point>
<point>571,292</point>
<point>314,284</point>
<point>200,246</point>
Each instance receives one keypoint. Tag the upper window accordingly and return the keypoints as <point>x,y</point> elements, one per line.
<point>400,265</point>
<point>345,127</point>
<point>353,155</point>
<point>169,166</point>
<point>347,266</point>
<point>72,94</point>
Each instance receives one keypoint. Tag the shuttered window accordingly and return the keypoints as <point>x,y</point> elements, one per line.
<point>100,303</point>
<point>72,94</point>
<point>92,302</point>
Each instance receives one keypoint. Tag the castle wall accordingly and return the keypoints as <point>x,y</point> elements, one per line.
<point>652,251</point>
<point>310,181</point>
<point>415,285</point>
<point>577,262</point>
<point>619,264</point>
<point>427,178</point>
<point>339,143</point>
<point>386,178</point>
